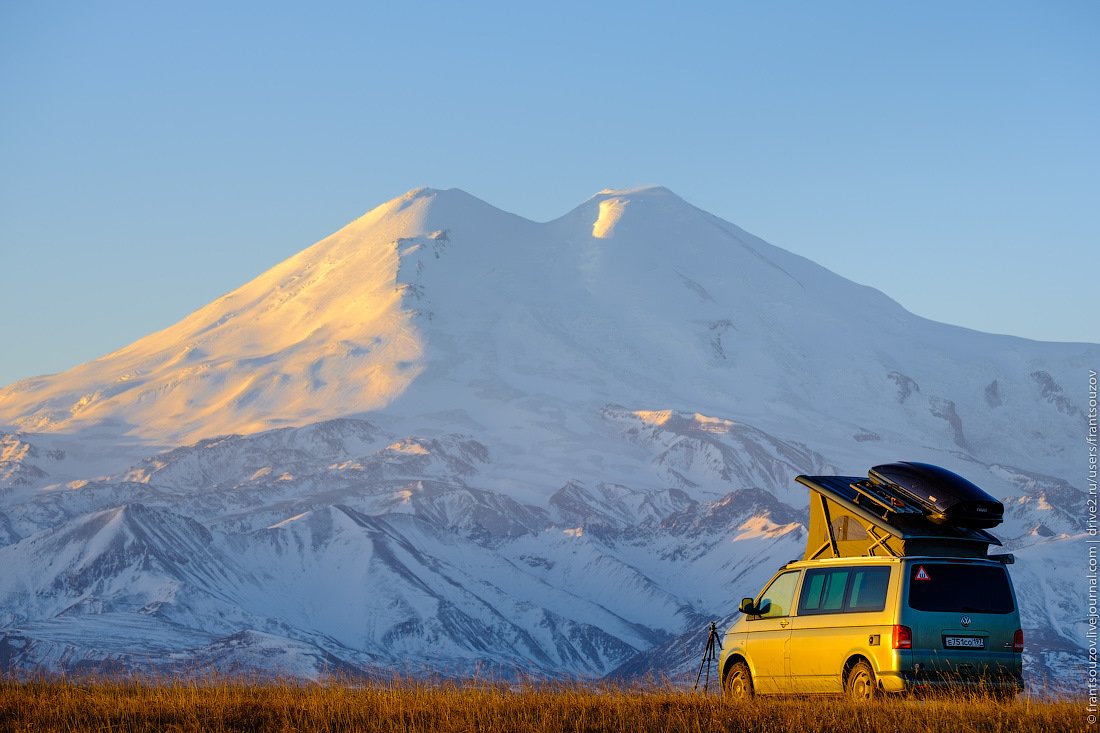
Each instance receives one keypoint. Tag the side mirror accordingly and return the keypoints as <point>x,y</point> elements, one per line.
<point>747,607</point>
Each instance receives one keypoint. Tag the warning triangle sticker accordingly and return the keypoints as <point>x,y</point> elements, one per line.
<point>922,574</point>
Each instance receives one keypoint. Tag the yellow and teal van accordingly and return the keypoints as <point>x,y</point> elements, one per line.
<point>888,598</point>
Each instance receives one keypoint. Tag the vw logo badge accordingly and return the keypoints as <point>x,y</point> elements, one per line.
<point>965,621</point>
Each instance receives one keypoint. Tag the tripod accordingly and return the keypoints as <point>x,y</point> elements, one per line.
<point>708,657</point>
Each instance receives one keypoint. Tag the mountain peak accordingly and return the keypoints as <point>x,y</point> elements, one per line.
<point>625,294</point>
<point>424,210</point>
<point>429,193</point>
<point>610,209</point>
<point>639,192</point>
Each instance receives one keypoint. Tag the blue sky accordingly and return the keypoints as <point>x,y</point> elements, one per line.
<point>154,156</point>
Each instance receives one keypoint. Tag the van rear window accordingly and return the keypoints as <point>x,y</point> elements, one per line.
<point>959,588</point>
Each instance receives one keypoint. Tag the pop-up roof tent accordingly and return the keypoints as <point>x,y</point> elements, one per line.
<point>901,509</point>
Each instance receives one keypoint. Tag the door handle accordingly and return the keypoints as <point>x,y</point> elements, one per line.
<point>784,623</point>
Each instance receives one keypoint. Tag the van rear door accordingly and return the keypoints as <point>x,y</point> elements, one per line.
<point>964,618</point>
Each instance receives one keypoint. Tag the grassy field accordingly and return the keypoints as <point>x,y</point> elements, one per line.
<point>441,708</point>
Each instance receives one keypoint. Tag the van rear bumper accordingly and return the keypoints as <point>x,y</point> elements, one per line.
<point>915,682</point>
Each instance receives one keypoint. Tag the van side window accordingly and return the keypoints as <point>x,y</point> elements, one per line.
<point>844,590</point>
<point>868,589</point>
<point>778,598</point>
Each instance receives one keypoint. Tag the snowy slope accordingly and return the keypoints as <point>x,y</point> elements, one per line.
<point>506,320</point>
<point>450,438</point>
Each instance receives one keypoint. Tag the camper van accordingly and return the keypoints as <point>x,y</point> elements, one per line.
<point>896,593</point>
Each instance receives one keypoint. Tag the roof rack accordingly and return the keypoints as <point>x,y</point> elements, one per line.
<point>888,502</point>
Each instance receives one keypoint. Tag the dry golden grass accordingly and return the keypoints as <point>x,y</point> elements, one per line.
<point>224,705</point>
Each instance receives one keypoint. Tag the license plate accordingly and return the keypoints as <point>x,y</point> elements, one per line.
<point>964,642</point>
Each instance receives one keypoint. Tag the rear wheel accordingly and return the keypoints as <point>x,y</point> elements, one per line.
<point>738,682</point>
<point>861,684</point>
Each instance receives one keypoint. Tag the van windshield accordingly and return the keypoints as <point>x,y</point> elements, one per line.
<point>959,588</point>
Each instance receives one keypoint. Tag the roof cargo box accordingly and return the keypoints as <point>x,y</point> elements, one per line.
<point>944,497</point>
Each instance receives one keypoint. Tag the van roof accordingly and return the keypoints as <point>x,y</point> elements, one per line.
<point>889,560</point>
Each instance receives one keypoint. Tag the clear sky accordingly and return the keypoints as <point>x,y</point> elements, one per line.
<point>154,156</point>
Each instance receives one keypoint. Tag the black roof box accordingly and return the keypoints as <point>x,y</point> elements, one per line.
<point>944,497</point>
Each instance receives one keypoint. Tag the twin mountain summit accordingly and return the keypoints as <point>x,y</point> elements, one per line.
<point>447,439</point>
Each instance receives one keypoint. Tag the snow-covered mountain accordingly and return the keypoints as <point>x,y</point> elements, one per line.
<point>450,439</point>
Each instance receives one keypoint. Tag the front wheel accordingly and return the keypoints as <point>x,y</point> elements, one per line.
<point>861,684</point>
<point>738,682</point>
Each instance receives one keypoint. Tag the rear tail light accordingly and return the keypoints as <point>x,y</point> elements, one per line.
<point>902,638</point>
<point>1018,641</point>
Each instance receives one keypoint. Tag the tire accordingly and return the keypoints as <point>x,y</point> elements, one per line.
<point>738,682</point>
<point>861,684</point>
